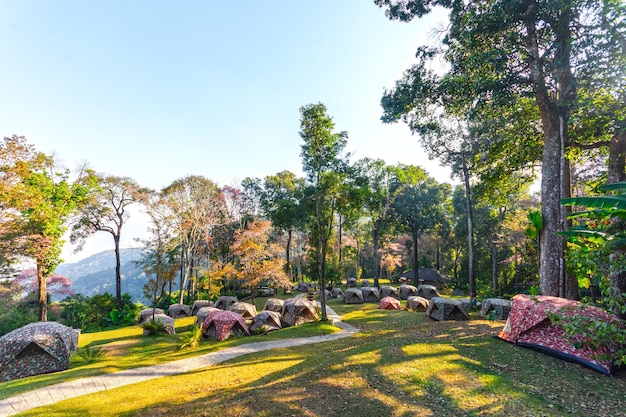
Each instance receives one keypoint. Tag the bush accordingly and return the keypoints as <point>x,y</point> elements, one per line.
<point>98,312</point>
<point>154,327</point>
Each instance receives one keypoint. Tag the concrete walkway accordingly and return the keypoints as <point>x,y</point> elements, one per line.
<point>54,393</point>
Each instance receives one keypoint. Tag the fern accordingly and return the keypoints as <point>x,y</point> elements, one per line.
<point>91,354</point>
<point>191,340</point>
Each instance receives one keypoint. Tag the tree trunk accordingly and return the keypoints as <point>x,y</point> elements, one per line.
<point>375,238</point>
<point>43,294</point>
<point>617,154</point>
<point>415,257</point>
<point>470,229</point>
<point>118,272</point>
<point>494,265</point>
<point>287,253</point>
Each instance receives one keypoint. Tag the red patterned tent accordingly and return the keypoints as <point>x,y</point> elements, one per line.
<point>222,324</point>
<point>529,326</point>
<point>389,303</point>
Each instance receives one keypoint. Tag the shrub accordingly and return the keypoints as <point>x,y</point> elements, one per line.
<point>154,327</point>
<point>192,339</point>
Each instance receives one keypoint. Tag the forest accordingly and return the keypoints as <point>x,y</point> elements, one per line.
<point>529,118</point>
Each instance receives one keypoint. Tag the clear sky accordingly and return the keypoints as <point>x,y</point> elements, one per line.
<point>156,90</point>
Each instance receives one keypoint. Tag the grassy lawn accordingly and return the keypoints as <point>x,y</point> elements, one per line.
<point>400,364</point>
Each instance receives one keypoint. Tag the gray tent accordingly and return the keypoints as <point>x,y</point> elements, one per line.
<point>370,294</point>
<point>351,282</point>
<point>198,304</point>
<point>166,320</point>
<point>353,296</point>
<point>501,307</point>
<point>266,320</point>
<point>298,311</point>
<point>177,311</point>
<point>246,310</point>
<point>429,276</point>
<point>147,314</point>
<point>427,291</point>
<point>225,302</point>
<point>446,309</point>
<point>37,348</point>
<point>337,293</point>
<point>389,291</point>
<point>274,304</point>
<point>417,303</point>
<point>407,291</point>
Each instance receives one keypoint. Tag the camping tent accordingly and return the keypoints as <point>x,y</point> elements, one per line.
<point>337,293</point>
<point>500,307</point>
<point>351,282</point>
<point>198,304</point>
<point>266,320</point>
<point>203,313</point>
<point>148,313</point>
<point>407,291</point>
<point>37,348</point>
<point>442,309</point>
<point>353,296</point>
<point>427,291</point>
<point>529,326</point>
<point>389,303</point>
<point>167,321</point>
<point>177,311</point>
<point>246,310</point>
<point>389,291</point>
<point>222,324</point>
<point>416,303</point>
<point>225,302</point>
<point>274,304</point>
<point>303,287</point>
<point>297,311</point>
<point>370,294</point>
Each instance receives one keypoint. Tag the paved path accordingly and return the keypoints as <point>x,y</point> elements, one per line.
<point>70,389</point>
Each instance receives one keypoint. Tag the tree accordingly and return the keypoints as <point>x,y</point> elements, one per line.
<point>419,207</point>
<point>501,51</point>
<point>258,260</point>
<point>36,202</point>
<point>106,210</point>
<point>324,167</point>
<point>197,207</point>
<point>281,202</point>
<point>56,284</point>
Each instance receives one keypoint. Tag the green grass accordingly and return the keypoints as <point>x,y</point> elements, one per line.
<point>400,364</point>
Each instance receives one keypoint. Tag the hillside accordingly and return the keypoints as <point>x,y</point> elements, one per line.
<point>96,274</point>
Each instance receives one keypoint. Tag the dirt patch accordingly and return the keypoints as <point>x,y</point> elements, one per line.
<point>118,348</point>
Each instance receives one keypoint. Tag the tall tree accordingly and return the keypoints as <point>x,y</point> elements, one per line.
<point>420,208</point>
<point>324,165</point>
<point>36,202</point>
<point>197,206</point>
<point>106,210</point>
<point>281,202</point>
<point>500,51</point>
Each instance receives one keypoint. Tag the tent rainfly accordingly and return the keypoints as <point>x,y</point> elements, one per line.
<point>528,325</point>
<point>225,302</point>
<point>428,276</point>
<point>427,291</point>
<point>500,307</point>
<point>266,321</point>
<point>147,314</point>
<point>203,313</point>
<point>389,303</point>
<point>177,311</point>
<point>198,304</point>
<point>303,287</point>
<point>298,311</point>
<point>166,320</point>
<point>337,293</point>
<point>442,309</point>
<point>417,303</point>
<point>389,291</point>
<point>370,294</point>
<point>37,348</point>
<point>274,304</point>
<point>246,310</point>
<point>407,291</point>
<point>223,324</point>
<point>351,282</point>
<point>353,296</point>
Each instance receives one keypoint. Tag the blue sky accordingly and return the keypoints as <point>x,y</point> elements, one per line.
<point>156,90</point>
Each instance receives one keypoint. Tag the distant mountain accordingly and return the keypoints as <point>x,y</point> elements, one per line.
<point>96,274</point>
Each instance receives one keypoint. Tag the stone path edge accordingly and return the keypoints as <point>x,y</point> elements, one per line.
<point>83,386</point>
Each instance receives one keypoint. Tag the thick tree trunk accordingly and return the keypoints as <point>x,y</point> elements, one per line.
<point>43,294</point>
<point>494,265</point>
<point>617,155</point>
<point>470,230</point>
<point>416,264</point>
<point>375,238</point>
<point>287,253</point>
